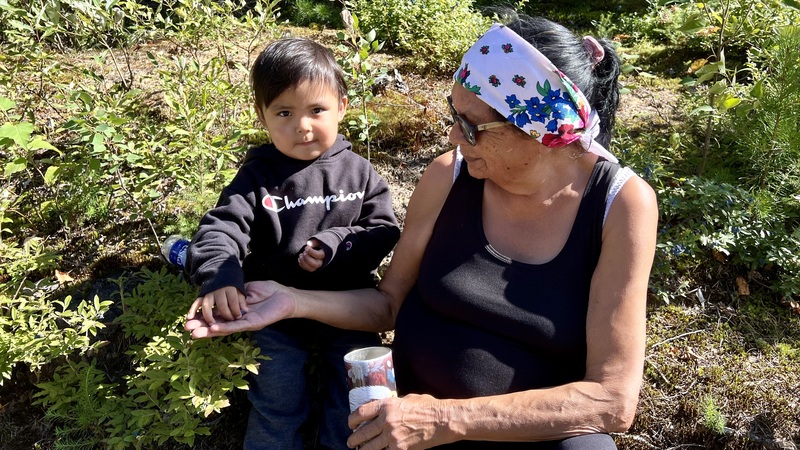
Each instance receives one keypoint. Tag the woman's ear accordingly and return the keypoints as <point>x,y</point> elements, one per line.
<point>342,107</point>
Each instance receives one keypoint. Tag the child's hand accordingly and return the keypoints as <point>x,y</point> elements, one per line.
<point>312,256</point>
<point>228,303</point>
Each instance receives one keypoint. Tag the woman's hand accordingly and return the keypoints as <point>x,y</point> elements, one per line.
<point>268,302</point>
<point>410,422</point>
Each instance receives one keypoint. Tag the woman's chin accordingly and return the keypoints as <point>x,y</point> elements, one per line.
<point>476,169</point>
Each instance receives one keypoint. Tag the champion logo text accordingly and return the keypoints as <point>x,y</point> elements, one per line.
<point>277,204</point>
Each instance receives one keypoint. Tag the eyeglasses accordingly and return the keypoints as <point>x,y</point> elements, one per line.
<point>469,130</point>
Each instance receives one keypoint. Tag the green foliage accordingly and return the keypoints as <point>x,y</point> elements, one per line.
<point>435,32</point>
<point>36,329</point>
<point>358,49</point>
<point>110,153</point>
<point>723,24</point>
<point>772,143</point>
<point>707,224</point>
<point>93,148</point>
<point>314,13</point>
<point>713,419</point>
<point>169,385</point>
<point>73,24</point>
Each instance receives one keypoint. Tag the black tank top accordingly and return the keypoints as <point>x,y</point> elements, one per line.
<point>478,323</point>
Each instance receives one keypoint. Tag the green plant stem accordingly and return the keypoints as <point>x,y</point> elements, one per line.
<point>366,129</point>
<point>139,207</point>
<point>707,138</point>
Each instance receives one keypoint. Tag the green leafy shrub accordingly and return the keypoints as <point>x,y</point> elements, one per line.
<point>36,330</point>
<point>72,24</point>
<point>771,145</point>
<point>169,384</point>
<point>435,32</point>
<point>314,13</point>
<point>357,49</point>
<point>708,225</point>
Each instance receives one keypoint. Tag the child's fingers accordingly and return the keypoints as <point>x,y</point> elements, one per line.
<point>308,262</point>
<point>315,251</point>
<point>207,308</point>
<point>193,309</point>
<point>234,305</point>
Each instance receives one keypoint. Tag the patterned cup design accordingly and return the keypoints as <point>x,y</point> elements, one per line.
<point>370,375</point>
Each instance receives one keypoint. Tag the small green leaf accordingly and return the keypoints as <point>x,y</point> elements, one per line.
<point>15,166</point>
<point>20,133</point>
<point>758,89</point>
<point>730,102</point>
<point>6,104</point>
<point>39,143</point>
<point>693,23</point>
<point>702,109</point>
<point>718,87</point>
<point>675,141</point>
<point>97,143</point>
<point>50,175</point>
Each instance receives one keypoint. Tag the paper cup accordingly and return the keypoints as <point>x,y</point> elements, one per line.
<point>370,375</point>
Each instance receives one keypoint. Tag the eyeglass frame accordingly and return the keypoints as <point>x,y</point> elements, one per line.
<point>468,129</point>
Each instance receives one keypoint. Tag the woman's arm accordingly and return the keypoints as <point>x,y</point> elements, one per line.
<point>604,401</point>
<point>364,309</point>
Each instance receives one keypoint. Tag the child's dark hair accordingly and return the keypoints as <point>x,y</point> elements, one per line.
<point>598,82</point>
<point>288,62</point>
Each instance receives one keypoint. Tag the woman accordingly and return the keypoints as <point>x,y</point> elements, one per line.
<point>517,290</point>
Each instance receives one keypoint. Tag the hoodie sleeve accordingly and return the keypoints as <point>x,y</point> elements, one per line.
<point>363,246</point>
<point>218,248</point>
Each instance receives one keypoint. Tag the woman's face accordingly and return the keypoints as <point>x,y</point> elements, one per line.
<point>502,153</point>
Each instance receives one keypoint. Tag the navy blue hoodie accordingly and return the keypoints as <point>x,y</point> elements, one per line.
<point>275,204</point>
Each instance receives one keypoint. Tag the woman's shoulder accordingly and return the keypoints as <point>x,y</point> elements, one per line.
<point>438,176</point>
<point>634,201</point>
<point>432,189</point>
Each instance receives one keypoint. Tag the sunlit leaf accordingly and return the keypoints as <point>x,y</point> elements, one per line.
<point>15,166</point>
<point>6,104</point>
<point>693,23</point>
<point>730,103</point>
<point>39,143</point>
<point>758,89</point>
<point>718,87</point>
<point>50,175</point>
<point>20,133</point>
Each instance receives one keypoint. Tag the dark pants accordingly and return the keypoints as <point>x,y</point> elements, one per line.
<point>281,403</point>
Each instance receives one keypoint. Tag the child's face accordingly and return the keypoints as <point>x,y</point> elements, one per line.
<point>303,121</point>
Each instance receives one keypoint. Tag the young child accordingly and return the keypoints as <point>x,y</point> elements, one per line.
<point>304,211</point>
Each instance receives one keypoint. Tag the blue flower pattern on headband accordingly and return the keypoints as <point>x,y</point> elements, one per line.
<point>538,111</point>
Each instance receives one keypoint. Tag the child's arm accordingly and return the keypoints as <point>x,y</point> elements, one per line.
<point>215,255</point>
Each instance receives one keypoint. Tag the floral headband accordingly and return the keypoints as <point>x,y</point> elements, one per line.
<point>514,78</point>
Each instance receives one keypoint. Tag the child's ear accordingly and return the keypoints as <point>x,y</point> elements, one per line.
<point>342,107</point>
<point>260,114</point>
